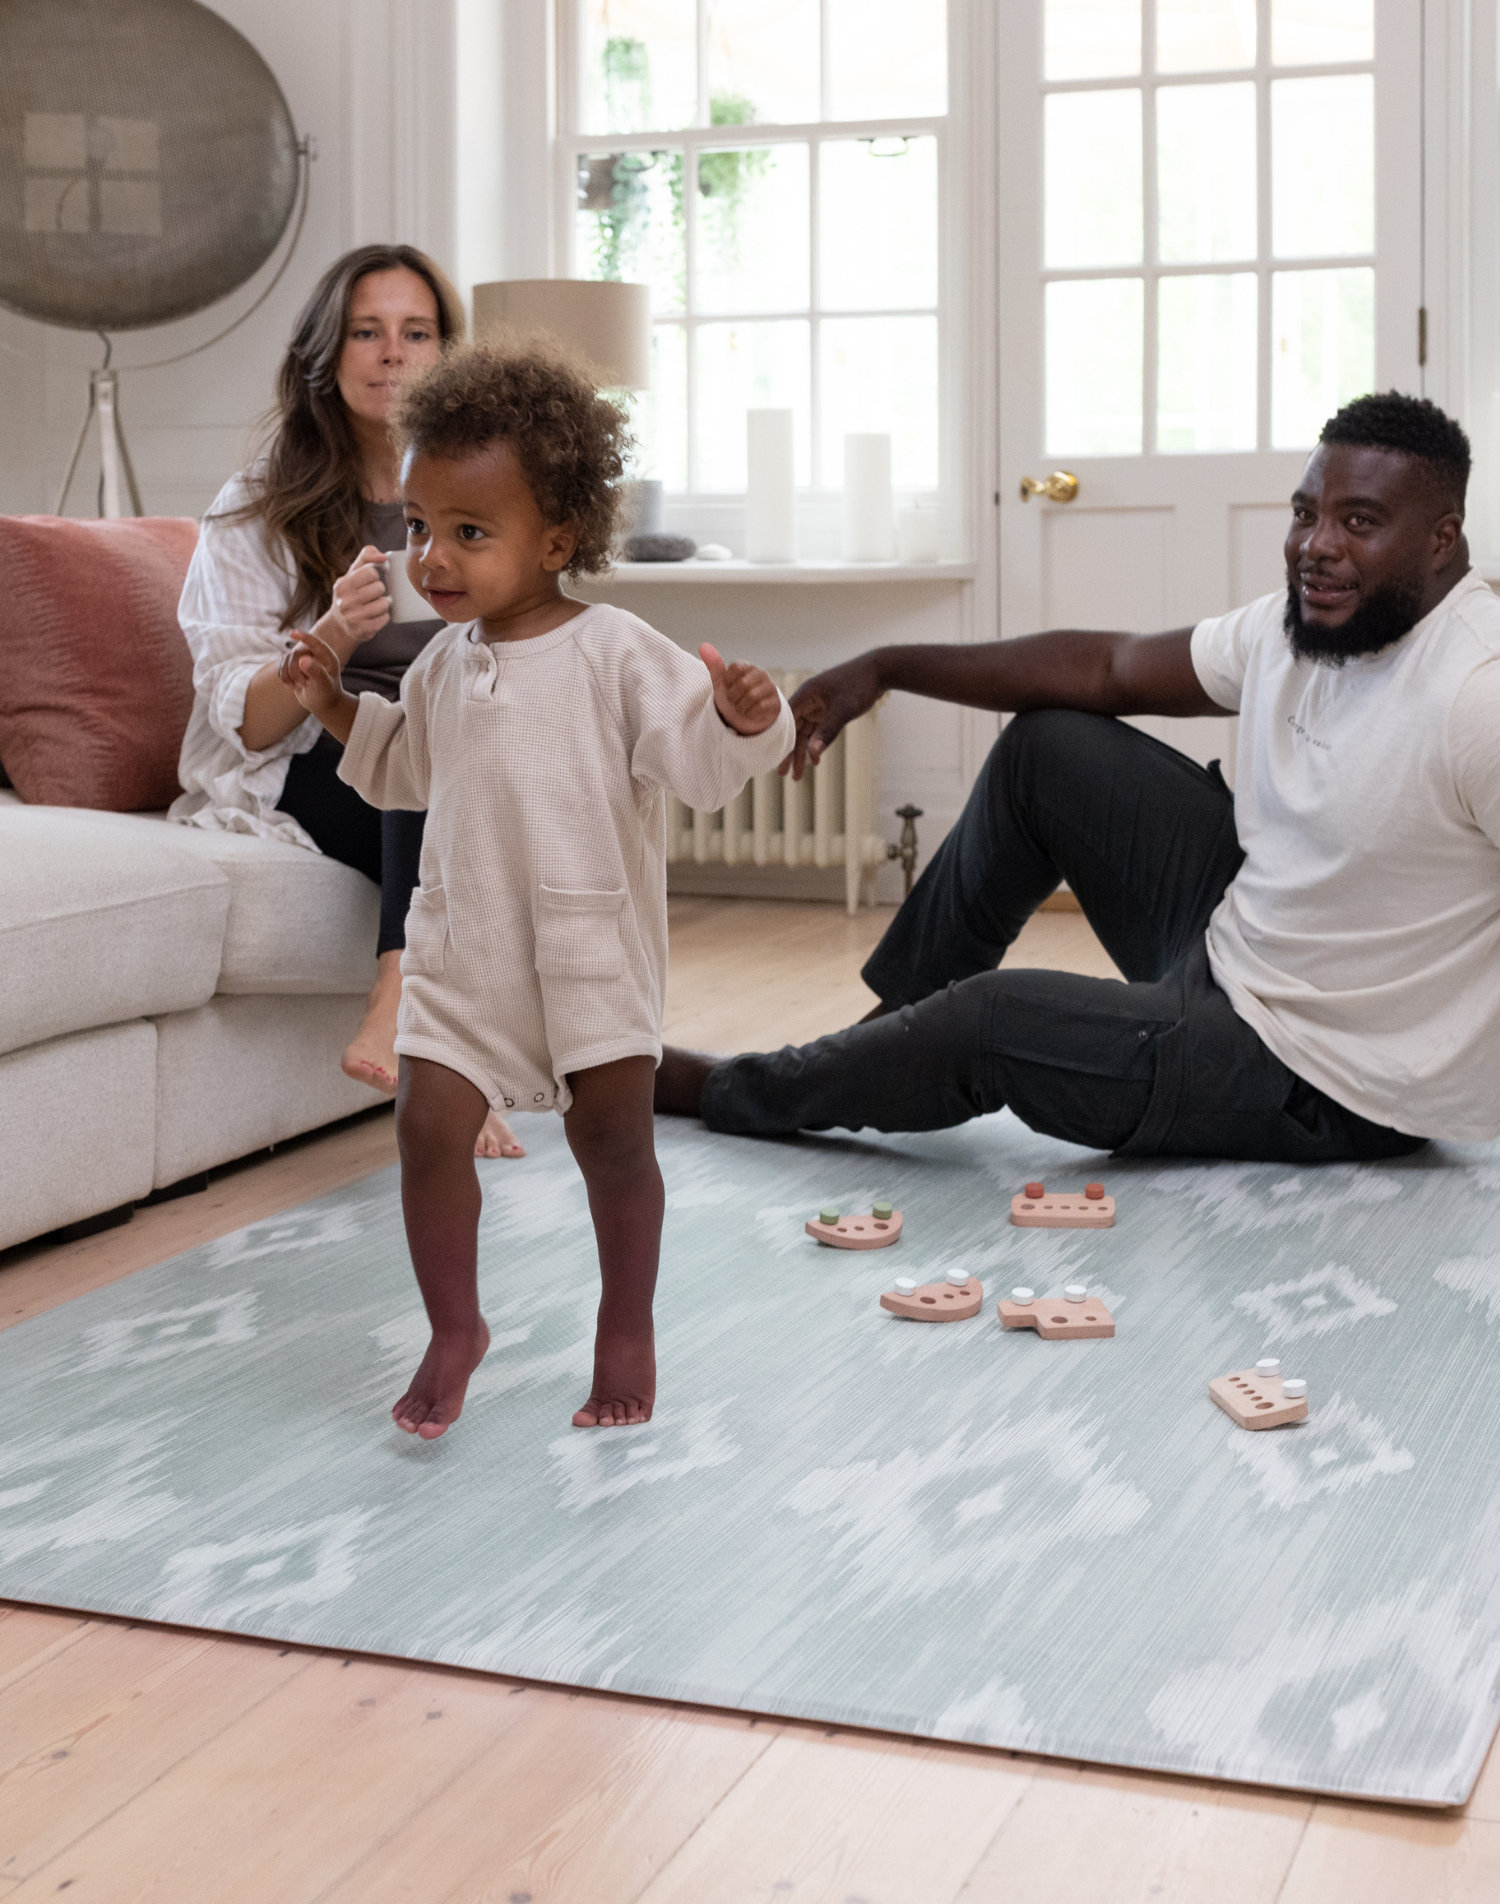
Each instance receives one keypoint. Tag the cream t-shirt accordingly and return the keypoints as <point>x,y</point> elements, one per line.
<point>1361,937</point>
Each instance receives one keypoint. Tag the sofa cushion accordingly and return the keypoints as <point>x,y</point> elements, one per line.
<point>102,918</point>
<point>77,1128</point>
<point>242,1073</point>
<point>298,921</point>
<point>96,682</point>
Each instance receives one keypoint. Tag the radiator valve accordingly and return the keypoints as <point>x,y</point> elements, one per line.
<point>906,849</point>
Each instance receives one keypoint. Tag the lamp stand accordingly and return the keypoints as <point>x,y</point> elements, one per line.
<point>114,453</point>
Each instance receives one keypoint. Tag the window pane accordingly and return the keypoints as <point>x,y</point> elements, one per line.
<point>640,65</point>
<point>762,61</point>
<point>878,220</point>
<point>1094,355</point>
<point>1205,375</point>
<point>1205,169</point>
<point>1318,32</point>
<point>1092,39</point>
<point>752,251</point>
<point>1093,178</point>
<point>1204,36</point>
<point>881,373</point>
<point>630,222</point>
<point>750,367</point>
<point>661,412</point>
<point>1322,349</point>
<point>887,58</point>
<point>1322,166</point>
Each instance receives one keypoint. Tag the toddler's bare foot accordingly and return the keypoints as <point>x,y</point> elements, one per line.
<point>436,1397</point>
<point>624,1388</point>
<point>497,1139</point>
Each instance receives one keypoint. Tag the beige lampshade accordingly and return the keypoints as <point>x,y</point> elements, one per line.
<point>609,323</point>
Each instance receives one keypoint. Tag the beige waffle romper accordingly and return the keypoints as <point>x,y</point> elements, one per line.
<point>536,943</point>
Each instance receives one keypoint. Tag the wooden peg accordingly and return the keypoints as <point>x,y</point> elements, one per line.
<point>937,1302</point>
<point>857,1232</point>
<point>1059,1319</point>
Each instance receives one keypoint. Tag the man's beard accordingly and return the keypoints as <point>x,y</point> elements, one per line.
<point>1383,616</point>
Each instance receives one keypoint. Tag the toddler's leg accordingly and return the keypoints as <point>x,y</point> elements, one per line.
<point>610,1134</point>
<point>438,1116</point>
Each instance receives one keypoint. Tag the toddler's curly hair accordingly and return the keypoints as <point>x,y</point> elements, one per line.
<point>529,392</point>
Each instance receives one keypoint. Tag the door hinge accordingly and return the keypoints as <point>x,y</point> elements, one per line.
<point>1421,334</point>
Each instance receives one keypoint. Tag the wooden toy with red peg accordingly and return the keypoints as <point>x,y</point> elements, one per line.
<point>1091,1209</point>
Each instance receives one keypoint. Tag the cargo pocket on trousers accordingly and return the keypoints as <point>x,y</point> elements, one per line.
<point>426,932</point>
<point>578,934</point>
<point>579,962</point>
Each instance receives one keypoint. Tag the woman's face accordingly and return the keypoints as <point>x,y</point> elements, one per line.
<point>392,328</point>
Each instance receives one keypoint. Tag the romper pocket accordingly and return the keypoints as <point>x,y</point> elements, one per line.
<point>426,931</point>
<point>578,934</point>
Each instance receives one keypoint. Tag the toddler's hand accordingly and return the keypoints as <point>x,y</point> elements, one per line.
<point>745,696</point>
<point>313,674</point>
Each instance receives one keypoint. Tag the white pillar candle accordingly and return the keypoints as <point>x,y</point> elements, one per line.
<point>917,535</point>
<point>770,491</point>
<point>869,513</point>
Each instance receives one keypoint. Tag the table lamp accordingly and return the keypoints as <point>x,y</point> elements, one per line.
<point>608,323</point>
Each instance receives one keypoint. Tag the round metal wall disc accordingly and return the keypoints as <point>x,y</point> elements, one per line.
<point>148,161</point>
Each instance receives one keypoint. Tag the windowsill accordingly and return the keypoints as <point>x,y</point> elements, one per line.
<point>739,570</point>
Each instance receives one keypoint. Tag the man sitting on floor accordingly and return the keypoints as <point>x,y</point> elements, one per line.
<point>1312,963</point>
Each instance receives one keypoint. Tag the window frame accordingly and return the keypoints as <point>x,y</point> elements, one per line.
<point>570,144</point>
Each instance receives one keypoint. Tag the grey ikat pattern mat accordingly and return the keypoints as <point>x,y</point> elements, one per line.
<point>1061,1548</point>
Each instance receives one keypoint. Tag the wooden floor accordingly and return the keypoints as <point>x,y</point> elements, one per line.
<point>146,1763</point>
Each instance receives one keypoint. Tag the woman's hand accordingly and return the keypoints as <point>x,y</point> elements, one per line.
<point>361,607</point>
<point>824,707</point>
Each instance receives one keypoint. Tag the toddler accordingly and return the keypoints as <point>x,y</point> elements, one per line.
<point>541,735</point>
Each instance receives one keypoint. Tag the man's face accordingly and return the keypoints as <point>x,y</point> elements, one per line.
<point>1370,541</point>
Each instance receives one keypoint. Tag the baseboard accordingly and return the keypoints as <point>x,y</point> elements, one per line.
<point>713,879</point>
<point>1060,901</point>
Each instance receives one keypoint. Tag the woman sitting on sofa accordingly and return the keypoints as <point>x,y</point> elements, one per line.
<point>288,545</point>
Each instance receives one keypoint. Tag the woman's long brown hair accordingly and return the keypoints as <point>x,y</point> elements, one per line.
<point>307,488</point>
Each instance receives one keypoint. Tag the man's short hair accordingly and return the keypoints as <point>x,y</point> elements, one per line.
<point>1413,425</point>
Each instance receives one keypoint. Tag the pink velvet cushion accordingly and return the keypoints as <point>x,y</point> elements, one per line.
<point>96,682</point>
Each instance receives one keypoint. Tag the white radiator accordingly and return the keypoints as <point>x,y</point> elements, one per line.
<point>777,821</point>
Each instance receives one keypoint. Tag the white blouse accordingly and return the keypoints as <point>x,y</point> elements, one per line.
<point>236,593</point>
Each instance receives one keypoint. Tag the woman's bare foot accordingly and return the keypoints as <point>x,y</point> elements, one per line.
<point>371,1056</point>
<point>497,1139</point>
<point>436,1397</point>
<point>624,1390</point>
<point>679,1080</point>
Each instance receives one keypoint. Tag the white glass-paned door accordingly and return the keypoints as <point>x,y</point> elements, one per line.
<point>1222,150</point>
<point>1209,240</point>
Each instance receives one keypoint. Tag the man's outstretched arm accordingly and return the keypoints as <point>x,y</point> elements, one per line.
<point>1070,667</point>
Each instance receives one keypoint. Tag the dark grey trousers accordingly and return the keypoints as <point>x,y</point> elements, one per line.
<point>1160,1065</point>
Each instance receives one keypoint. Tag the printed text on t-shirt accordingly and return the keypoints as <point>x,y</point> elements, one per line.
<point>1302,734</point>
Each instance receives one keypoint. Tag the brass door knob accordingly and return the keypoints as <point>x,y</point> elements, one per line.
<point>1060,486</point>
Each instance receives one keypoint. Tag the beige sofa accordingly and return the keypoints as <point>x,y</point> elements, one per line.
<point>170,999</point>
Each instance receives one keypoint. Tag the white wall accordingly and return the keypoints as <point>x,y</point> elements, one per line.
<point>372,82</point>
